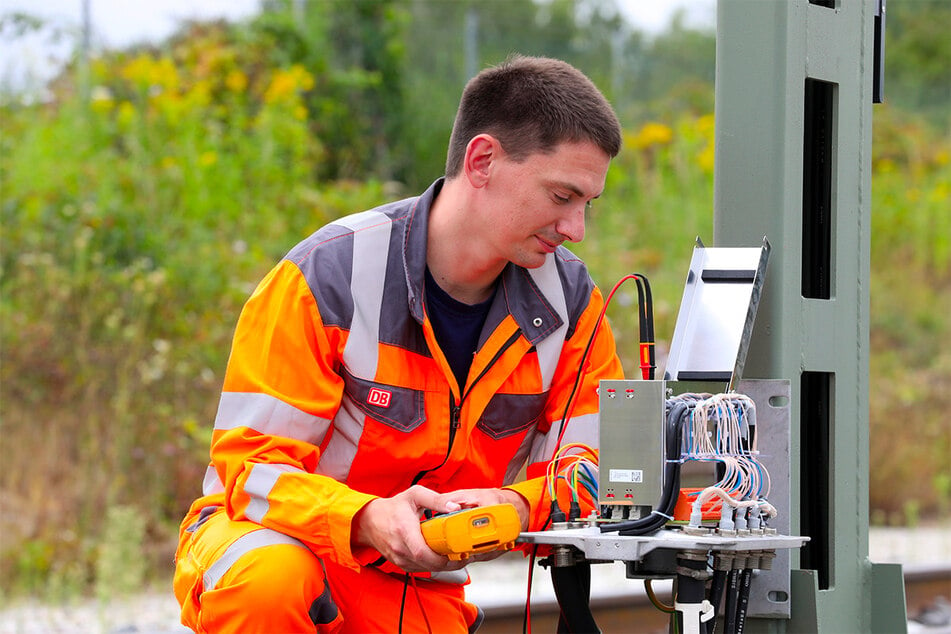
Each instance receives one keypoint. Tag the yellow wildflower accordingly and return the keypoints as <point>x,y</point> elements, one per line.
<point>150,73</point>
<point>941,193</point>
<point>651,134</point>
<point>281,87</point>
<point>304,79</point>
<point>704,125</point>
<point>101,99</point>
<point>885,165</point>
<point>705,158</point>
<point>236,81</point>
<point>286,83</point>
<point>208,158</point>
<point>126,114</point>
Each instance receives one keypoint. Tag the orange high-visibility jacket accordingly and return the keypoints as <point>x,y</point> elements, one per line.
<point>336,390</point>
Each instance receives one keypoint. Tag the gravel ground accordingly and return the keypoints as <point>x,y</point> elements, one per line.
<point>156,612</point>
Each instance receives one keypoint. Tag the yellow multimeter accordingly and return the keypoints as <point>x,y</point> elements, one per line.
<point>470,531</point>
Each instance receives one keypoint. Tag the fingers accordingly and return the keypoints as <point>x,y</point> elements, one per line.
<point>391,525</point>
<point>468,498</point>
<point>423,498</point>
<point>488,556</point>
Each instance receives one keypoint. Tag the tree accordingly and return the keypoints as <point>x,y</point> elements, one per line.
<point>918,56</point>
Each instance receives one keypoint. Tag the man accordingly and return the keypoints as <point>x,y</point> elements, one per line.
<point>412,357</point>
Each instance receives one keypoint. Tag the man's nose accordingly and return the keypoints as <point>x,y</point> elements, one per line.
<point>571,226</point>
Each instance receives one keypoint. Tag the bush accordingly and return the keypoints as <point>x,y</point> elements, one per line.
<point>133,231</point>
<point>134,228</point>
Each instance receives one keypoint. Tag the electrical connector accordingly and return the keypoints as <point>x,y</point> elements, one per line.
<point>696,514</point>
<point>574,511</point>
<point>755,520</point>
<point>726,518</point>
<point>741,519</point>
<point>556,514</point>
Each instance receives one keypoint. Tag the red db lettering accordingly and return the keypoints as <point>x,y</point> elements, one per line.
<point>378,397</point>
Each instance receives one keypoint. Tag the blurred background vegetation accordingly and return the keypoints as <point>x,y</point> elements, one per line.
<point>152,188</point>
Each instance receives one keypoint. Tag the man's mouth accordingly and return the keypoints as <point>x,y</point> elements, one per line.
<point>549,247</point>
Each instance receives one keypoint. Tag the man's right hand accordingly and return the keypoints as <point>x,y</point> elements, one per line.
<point>391,526</point>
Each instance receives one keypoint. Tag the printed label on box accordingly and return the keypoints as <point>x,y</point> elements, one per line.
<point>626,475</point>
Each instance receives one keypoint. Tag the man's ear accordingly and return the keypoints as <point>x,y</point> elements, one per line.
<point>483,150</point>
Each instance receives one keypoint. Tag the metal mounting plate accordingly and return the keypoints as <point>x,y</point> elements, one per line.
<point>613,547</point>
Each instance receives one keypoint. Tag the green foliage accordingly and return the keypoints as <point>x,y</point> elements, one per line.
<point>910,304</point>
<point>120,568</point>
<point>918,55</point>
<point>355,50</point>
<point>657,201</point>
<point>135,225</point>
<point>134,228</point>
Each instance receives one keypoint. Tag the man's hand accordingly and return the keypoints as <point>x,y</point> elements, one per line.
<point>469,498</point>
<point>391,526</point>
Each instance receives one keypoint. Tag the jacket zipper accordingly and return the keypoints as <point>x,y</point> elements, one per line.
<point>455,411</point>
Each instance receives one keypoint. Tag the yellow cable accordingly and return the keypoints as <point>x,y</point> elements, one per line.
<point>663,607</point>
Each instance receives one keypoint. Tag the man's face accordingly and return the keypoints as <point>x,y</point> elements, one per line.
<point>538,203</point>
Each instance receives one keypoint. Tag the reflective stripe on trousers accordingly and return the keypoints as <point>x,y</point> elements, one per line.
<point>235,576</point>
<point>240,577</point>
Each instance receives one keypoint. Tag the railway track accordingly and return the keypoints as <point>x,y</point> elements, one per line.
<point>617,614</point>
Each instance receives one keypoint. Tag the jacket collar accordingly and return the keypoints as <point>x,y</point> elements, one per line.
<point>518,294</point>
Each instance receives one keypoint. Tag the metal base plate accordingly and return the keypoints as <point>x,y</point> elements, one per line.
<point>613,547</point>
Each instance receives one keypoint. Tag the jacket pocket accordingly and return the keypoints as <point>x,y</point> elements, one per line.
<point>401,408</point>
<point>508,414</point>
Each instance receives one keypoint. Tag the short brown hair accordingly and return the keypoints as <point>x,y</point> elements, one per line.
<point>531,104</point>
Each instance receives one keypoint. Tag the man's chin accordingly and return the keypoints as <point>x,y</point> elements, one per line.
<point>535,261</point>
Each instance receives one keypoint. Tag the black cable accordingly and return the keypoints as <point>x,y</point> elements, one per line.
<point>732,598</point>
<point>746,578</point>
<point>403,601</point>
<point>645,318</point>
<point>645,312</point>
<point>531,568</point>
<point>572,586</point>
<point>573,583</point>
<point>716,594</point>
<point>690,586</point>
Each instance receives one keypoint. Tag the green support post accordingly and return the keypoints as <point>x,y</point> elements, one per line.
<point>794,90</point>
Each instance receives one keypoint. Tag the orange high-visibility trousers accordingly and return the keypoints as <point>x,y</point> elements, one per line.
<point>235,576</point>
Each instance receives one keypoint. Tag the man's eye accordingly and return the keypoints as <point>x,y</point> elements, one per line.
<point>561,199</point>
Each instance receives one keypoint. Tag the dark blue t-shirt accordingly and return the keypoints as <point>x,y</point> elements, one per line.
<point>457,326</point>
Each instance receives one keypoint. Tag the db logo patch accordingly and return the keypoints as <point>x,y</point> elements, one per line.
<point>378,397</point>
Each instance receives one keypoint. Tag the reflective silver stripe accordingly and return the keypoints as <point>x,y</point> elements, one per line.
<point>371,242</point>
<point>211,484</point>
<point>458,577</point>
<point>514,467</point>
<point>269,415</point>
<point>549,349</point>
<point>583,429</point>
<point>258,486</point>
<point>242,546</point>
<point>338,456</point>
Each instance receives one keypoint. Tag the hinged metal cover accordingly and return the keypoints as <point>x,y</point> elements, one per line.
<point>715,322</point>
